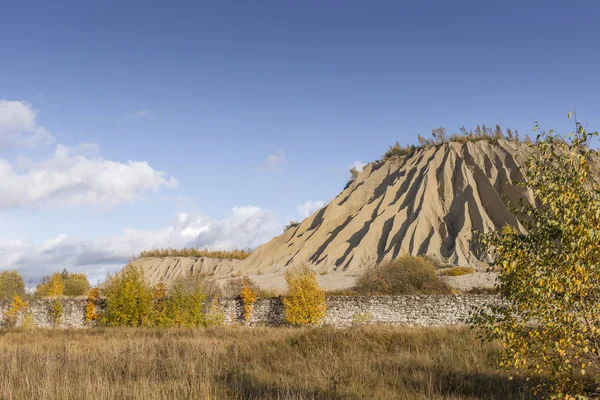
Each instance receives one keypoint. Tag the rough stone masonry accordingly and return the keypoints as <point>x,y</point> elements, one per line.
<point>342,311</point>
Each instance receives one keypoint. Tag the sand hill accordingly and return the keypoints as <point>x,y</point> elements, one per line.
<point>428,202</point>
<point>167,269</point>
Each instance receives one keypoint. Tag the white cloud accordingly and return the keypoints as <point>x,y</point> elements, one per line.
<point>274,162</point>
<point>243,227</point>
<point>359,165</point>
<point>18,126</point>
<point>307,209</point>
<point>66,179</point>
<point>146,114</point>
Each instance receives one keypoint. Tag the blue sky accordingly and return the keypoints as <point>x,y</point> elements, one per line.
<point>244,111</point>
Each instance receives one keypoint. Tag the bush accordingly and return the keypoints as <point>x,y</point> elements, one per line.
<point>75,284</point>
<point>208,286</point>
<point>457,271</point>
<point>404,275</point>
<point>549,321</point>
<point>184,305</point>
<point>129,299</point>
<point>17,307</point>
<point>398,150</point>
<point>291,225</point>
<point>234,286</point>
<point>305,303</point>
<point>248,298</point>
<point>28,323</point>
<point>90,306</point>
<point>63,284</point>
<point>57,311</point>
<point>214,314</point>
<point>191,252</point>
<point>11,285</point>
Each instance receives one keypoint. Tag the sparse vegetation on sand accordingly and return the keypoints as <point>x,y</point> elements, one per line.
<point>439,136</point>
<point>191,252</point>
<point>369,362</point>
<point>403,275</point>
<point>457,271</point>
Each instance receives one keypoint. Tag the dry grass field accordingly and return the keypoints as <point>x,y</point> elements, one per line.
<point>258,363</point>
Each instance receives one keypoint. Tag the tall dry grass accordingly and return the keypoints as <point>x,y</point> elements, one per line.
<point>264,363</point>
<point>191,252</point>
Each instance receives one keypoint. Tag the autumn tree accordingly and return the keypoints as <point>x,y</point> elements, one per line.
<point>11,285</point>
<point>185,302</point>
<point>248,296</point>
<point>549,319</point>
<point>305,303</point>
<point>75,284</point>
<point>129,299</point>
<point>52,285</point>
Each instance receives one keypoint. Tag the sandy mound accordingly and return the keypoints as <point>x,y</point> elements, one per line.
<point>427,203</point>
<point>168,269</point>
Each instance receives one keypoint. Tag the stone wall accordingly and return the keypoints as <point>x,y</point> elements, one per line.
<point>342,311</point>
<point>73,317</point>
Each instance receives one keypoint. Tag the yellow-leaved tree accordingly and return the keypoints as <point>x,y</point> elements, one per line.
<point>17,307</point>
<point>305,302</point>
<point>52,285</point>
<point>129,299</point>
<point>549,319</point>
<point>248,296</point>
<point>184,303</point>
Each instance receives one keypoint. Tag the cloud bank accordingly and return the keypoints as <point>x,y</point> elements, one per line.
<point>242,227</point>
<point>70,176</point>
<point>66,179</point>
<point>18,126</point>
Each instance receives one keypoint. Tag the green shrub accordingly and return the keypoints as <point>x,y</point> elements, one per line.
<point>184,305</point>
<point>404,275</point>
<point>457,271</point>
<point>28,323</point>
<point>398,150</point>
<point>75,284</point>
<point>214,314</point>
<point>362,318</point>
<point>129,299</point>
<point>57,311</point>
<point>11,285</point>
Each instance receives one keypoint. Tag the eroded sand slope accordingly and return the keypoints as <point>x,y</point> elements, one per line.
<point>426,203</point>
<point>429,202</point>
